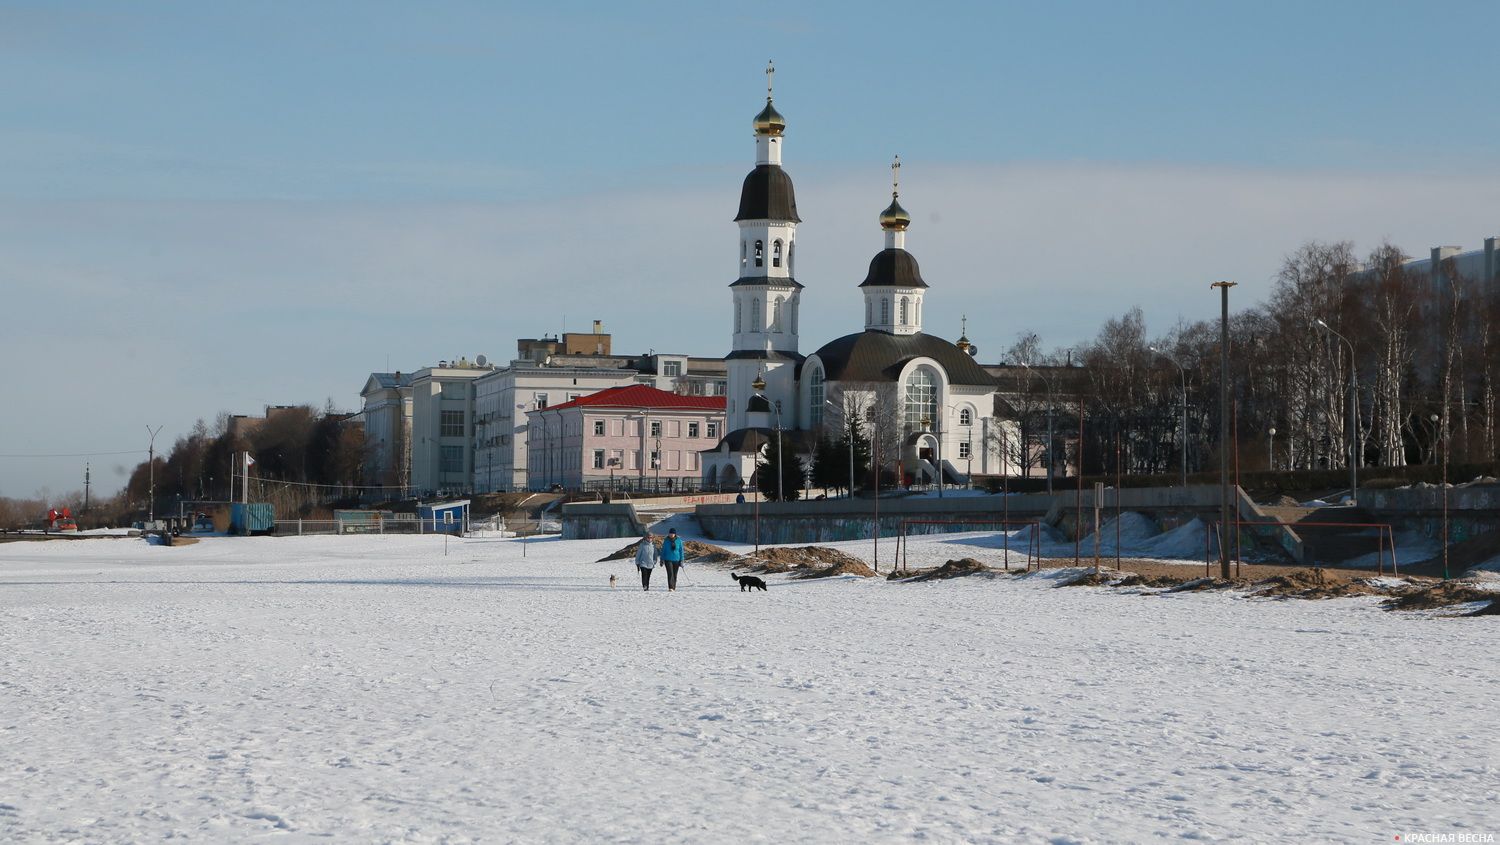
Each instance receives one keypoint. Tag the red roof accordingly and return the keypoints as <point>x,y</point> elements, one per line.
<point>643,396</point>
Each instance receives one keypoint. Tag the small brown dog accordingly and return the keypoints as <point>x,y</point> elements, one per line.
<point>611,582</point>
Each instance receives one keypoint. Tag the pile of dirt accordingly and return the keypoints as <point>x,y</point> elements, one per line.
<point>1135,580</point>
<point>1116,578</point>
<point>1312,584</point>
<point>1199,584</point>
<point>822,559</point>
<point>1442,594</point>
<point>692,552</point>
<point>850,567</point>
<point>960,568</point>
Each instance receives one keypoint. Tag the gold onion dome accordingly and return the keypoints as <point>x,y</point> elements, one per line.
<point>895,217</point>
<point>963,343</point>
<point>769,121</point>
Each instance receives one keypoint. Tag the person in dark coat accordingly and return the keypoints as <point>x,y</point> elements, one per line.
<point>671,555</point>
<point>645,559</point>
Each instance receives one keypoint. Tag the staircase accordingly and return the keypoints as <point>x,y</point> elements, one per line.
<point>1329,545</point>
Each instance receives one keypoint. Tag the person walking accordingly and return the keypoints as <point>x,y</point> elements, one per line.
<point>645,559</point>
<point>671,555</point>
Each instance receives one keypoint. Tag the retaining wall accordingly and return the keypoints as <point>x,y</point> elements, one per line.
<point>592,521</point>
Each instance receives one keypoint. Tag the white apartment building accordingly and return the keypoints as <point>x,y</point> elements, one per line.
<point>387,420</point>
<point>442,426</point>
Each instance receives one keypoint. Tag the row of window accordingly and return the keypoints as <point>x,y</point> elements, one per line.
<point>671,460</point>
<point>759,254</point>
<point>755,316</point>
<point>907,308</point>
<point>693,429</point>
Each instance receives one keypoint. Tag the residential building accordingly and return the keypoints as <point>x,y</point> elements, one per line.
<point>629,437</point>
<point>387,420</point>
<point>442,425</point>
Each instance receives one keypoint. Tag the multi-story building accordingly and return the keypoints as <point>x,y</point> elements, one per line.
<point>442,426</point>
<point>630,437</point>
<point>387,420</point>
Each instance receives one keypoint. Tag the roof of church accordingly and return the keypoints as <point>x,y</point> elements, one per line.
<point>879,356</point>
<point>753,439</point>
<point>767,281</point>
<point>768,195</point>
<point>765,355</point>
<point>893,268</point>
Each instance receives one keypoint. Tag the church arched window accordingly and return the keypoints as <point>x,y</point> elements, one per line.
<point>794,319</point>
<point>760,249</point>
<point>776,315</point>
<point>791,257</point>
<point>921,400</point>
<point>869,311</point>
<point>739,317</point>
<point>904,307</point>
<point>755,315</point>
<point>776,253</point>
<point>917,317</point>
<point>815,396</point>
<point>885,311</point>
<point>743,247</point>
<point>965,416</point>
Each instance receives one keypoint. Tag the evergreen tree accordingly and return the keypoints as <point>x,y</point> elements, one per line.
<point>830,467</point>
<point>854,430</point>
<point>766,478</point>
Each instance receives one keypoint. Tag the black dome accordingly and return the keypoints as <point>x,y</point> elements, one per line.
<point>879,356</point>
<point>758,404</point>
<point>767,195</point>
<point>893,268</point>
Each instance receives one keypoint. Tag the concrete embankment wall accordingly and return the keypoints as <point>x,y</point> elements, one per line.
<point>590,521</point>
<point>1471,510</point>
<point>845,519</point>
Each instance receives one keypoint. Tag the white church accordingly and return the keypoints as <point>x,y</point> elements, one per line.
<point>932,405</point>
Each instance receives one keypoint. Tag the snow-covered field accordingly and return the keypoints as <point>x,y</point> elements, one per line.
<point>376,689</point>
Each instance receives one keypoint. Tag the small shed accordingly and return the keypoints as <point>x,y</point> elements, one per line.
<point>447,517</point>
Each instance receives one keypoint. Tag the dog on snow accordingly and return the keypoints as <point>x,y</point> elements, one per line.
<point>748,582</point>
<point>611,581</point>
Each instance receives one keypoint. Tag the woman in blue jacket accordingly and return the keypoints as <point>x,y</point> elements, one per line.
<point>671,555</point>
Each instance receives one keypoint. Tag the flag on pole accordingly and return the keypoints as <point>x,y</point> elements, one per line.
<point>249,461</point>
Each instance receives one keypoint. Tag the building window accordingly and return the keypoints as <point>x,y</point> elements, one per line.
<point>921,400</point>
<point>739,319</point>
<point>713,429</point>
<point>572,396</point>
<point>742,253</point>
<point>965,416</point>
<point>755,315</point>
<point>904,306</point>
<point>451,424</point>
<point>450,459</point>
<point>760,260</point>
<point>598,428</point>
<point>598,459</point>
<point>655,459</point>
<point>815,397</point>
<point>455,390</point>
<point>885,311</point>
<point>791,257</point>
<point>776,315</point>
<point>692,429</point>
<point>776,253</point>
<point>656,428</point>
<point>963,450</point>
<point>540,400</point>
<point>672,369</point>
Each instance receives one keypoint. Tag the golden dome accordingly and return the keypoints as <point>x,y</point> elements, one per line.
<point>963,343</point>
<point>895,217</point>
<point>769,121</point>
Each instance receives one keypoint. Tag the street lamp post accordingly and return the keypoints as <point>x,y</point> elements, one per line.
<point>1224,506</point>
<point>1183,371</point>
<point>1353,416</point>
<point>1442,443</point>
<point>1271,449</point>
<point>151,472</point>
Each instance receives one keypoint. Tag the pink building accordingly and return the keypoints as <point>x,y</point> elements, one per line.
<point>634,437</point>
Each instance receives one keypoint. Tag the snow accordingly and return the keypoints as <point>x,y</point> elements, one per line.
<point>372,688</point>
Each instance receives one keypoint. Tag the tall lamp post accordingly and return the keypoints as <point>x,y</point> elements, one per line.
<point>1051,404</point>
<point>1224,448</point>
<point>1183,371</point>
<point>1443,444</point>
<point>151,472</point>
<point>1271,449</point>
<point>1353,415</point>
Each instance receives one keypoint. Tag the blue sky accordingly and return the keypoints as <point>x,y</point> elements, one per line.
<point>262,203</point>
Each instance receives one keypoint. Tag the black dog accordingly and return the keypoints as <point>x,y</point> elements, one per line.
<point>748,582</point>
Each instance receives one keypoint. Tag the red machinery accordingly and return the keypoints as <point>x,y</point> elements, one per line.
<point>61,520</point>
